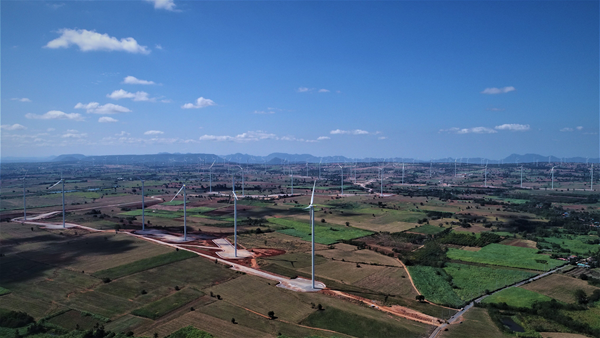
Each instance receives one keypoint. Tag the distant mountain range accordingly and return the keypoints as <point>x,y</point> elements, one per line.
<point>279,158</point>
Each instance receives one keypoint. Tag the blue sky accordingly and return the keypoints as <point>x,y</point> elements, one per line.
<point>359,79</point>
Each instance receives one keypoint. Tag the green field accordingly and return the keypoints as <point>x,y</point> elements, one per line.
<point>144,264</point>
<point>504,255</point>
<point>163,306</point>
<point>471,281</point>
<point>3,291</point>
<point>324,234</point>
<point>189,332</point>
<point>434,284</point>
<point>358,326</point>
<point>427,229</point>
<point>517,297</point>
<point>576,244</point>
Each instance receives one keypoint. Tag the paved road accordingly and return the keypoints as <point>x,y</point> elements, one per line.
<point>457,315</point>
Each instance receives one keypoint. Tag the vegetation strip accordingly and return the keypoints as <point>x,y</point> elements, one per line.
<point>144,264</point>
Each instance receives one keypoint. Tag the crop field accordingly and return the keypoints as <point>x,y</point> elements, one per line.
<point>427,229</point>
<point>351,253</point>
<point>560,287</point>
<point>276,240</point>
<point>144,264</point>
<point>344,272</point>
<point>504,255</point>
<point>517,297</point>
<point>434,284</point>
<point>471,281</point>
<point>392,281</point>
<point>590,316</point>
<point>324,234</point>
<point>165,305</point>
<point>476,321</point>
<point>578,245</point>
<point>73,319</point>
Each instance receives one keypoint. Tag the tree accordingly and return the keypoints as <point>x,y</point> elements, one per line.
<point>271,314</point>
<point>581,296</point>
<point>347,224</point>
<point>420,298</point>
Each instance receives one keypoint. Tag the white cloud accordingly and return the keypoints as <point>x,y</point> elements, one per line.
<point>15,126</point>
<point>566,129</point>
<point>154,132</point>
<point>106,119</point>
<point>165,101</point>
<point>92,41</point>
<point>495,109</point>
<point>21,99</point>
<point>351,132</point>
<point>579,128</point>
<point>169,5</point>
<point>475,130</point>
<point>123,133</point>
<point>158,47</point>
<point>55,115</point>
<point>513,127</point>
<point>50,129</point>
<point>321,138</point>
<point>200,103</point>
<point>133,80</point>
<point>303,89</point>
<point>382,138</point>
<point>71,133</point>
<point>495,90</point>
<point>323,90</point>
<point>244,137</point>
<point>263,112</point>
<point>96,108</point>
<point>122,94</point>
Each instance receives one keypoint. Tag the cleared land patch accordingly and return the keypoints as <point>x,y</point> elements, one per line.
<point>351,254</point>
<point>163,306</point>
<point>389,280</point>
<point>504,255</point>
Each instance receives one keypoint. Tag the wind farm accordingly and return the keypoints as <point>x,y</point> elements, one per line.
<point>299,169</point>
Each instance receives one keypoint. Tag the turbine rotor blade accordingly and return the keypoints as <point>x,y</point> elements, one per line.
<point>177,193</point>
<point>234,195</point>
<point>313,193</point>
<point>54,185</point>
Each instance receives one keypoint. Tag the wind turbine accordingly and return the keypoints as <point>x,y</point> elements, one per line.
<point>402,172</point>
<point>184,211</point>
<point>485,174</point>
<point>24,200</point>
<point>552,172</point>
<point>63,195</point>
<point>210,175</point>
<point>381,180</point>
<point>592,178</point>
<point>521,176</point>
<point>143,207</point>
<point>234,215</point>
<point>342,179</point>
<point>430,165</point>
<point>292,178</point>
<point>320,167</point>
<point>312,232</point>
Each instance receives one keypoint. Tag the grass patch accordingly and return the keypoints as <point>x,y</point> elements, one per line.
<point>163,306</point>
<point>504,255</point>
<point>327,234</point>
<point>4,291</point>
<point>173,203</point>
<point>434,284</point>
<point>576,244</point>
<point>349,323</point>
<point>190,332</point>
<point>144,264</point>
<point>471,281</point>
<point>517,297</point>
<point>427,229</point>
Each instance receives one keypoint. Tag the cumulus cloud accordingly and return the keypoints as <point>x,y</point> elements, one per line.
<point>21,99</point>
<point>263,112</point>
<point>350,132</point>
<point>154,132</point>
<point>475,130</point>
<point>133,80</point>
<point>15,126</point>
<point>92,41</point>
<point>200,103</point>
<point>123,133</point>
<point>323,90</point>
<point>321,138</point>
<point>513,127</point>
<point>158,47</point>
<point>96,108</point>
<point>122,94</point>
<point>579,128</point>
<point>566,129</point>
<point>382,138</point>
<point>106,119</point>
<point>168,5</point>
<point>303,90</point>
<point>243,137</point>
<point>495,90</point>
<point>55,115</point>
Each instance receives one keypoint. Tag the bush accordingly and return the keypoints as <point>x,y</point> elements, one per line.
<point>15,319</point>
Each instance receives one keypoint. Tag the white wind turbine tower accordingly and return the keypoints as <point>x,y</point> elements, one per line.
<point>235,199</point>
<point>521,176</point>
<point>430,165</point>
<point>592,178</point>
<point>24,200</point>
<point>242,172</point>
<point>320,167</point>
<point>210,176</point>
<point>381,180</point>
<point>184,211</point>
<point>306,168</point>
<point>552,172</point>
<point>292,178</point>
<point>143,206</point>
<point>312,232</point>
<point>485,174</point>
<point>402,172</point>
<point>342,179</point>
<point>63,196</point>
